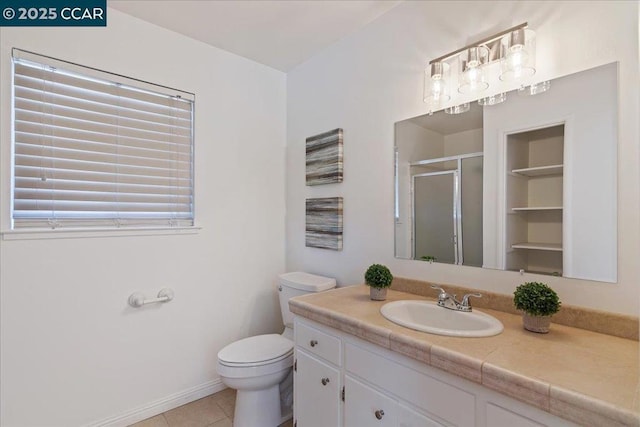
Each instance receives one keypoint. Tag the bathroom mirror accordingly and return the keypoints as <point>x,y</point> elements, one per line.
<point>525,185</point>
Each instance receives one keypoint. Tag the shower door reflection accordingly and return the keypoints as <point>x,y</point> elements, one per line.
<point>435,216</point>
<point>447,210</point>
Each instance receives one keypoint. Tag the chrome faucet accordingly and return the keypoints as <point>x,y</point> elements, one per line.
<point>449,301</point>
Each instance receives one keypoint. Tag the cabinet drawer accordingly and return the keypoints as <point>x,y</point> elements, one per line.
<point>364,406</point>
<point>318,343</point>
<point>445,401</point>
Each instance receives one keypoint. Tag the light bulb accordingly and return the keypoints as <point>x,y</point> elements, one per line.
<point>437,89</point>
<point>518,59</point>
<point>473,80</point>
<point>435,84</point>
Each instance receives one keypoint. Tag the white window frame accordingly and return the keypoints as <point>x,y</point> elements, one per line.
<point>120,223</point>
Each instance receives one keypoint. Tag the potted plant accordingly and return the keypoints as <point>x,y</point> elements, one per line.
<point>538,303</point>
<point>379,278</point>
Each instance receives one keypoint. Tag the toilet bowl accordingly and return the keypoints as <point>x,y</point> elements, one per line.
<point>258,366</point>
<point>255,367</point>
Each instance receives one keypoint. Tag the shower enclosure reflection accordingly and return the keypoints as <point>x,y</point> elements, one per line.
<point>440,185</point>
<point>447,224</point>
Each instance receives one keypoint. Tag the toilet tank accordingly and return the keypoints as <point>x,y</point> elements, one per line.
<point>299,283</point>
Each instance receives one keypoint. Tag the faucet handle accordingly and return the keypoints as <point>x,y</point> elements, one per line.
<point>465,300</point>
<point>442,294</point>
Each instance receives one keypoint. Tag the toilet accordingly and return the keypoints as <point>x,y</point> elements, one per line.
<point>260,367</point>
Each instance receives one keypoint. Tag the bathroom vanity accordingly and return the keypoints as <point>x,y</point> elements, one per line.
<point>354,368</point>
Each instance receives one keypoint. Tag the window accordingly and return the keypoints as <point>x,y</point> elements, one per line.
<point>95,149</point>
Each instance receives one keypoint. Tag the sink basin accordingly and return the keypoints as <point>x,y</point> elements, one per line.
<point>427,316</point>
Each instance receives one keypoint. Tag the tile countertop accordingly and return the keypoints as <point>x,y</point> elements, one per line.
<point>583,376</point>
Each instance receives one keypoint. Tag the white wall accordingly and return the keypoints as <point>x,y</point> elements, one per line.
<point>373,78</point>
<point>72,351</point>
<point>468,141</point>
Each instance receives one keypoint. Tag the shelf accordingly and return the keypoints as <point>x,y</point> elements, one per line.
<point>538,208</point>
<point>556,247</point>
<point>540,170</point>
<point>555,273</point>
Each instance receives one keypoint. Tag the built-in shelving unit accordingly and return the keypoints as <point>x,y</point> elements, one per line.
<point>534,200</point>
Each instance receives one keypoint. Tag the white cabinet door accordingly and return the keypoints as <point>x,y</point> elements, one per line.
<point>407,417</point>
<point>317,392</point>
<point>363,406</point>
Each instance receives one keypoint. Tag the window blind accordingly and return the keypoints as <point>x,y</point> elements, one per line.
<point>94,149</point>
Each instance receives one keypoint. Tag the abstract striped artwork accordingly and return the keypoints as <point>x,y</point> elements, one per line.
<point>324,158</point>
<point>324,223</point>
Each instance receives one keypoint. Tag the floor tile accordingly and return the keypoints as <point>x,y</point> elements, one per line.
<point>227,393</point>
<point>228,405</point>
<point>200,413</point>
<point>225,422</point>
<point>157,421</point>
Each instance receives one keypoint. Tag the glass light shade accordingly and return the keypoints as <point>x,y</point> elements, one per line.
<point>518,55</point>
<point>436,84</point>
<point>472,76</point>
<point>493,99</point>
<point>458,109</point>
<point>534,89</point>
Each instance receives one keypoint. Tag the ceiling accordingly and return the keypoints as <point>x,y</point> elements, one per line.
<point>280,34</point>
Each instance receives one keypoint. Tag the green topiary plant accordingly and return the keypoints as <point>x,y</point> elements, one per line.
<point>378,276</point>
<point>536,299</point>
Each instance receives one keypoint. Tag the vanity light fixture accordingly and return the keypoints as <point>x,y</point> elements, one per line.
<point>508,56</point>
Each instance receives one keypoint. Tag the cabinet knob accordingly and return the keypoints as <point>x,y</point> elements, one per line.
<point>379,414</point>
<point>313,343</point>
<point>325,381</point>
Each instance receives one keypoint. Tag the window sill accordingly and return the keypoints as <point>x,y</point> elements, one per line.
<point>83,233</point>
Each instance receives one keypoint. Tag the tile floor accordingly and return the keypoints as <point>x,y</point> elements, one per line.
<point>211,411</point>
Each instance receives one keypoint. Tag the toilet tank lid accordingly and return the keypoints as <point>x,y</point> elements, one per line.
<point>307,282</point>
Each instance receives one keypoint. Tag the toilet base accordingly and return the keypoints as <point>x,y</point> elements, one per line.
<point>258,408</point>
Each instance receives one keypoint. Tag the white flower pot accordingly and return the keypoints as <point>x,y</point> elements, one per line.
<point>378,294</point>
<point>539,324</point>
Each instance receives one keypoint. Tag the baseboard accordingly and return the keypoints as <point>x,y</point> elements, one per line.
<point>161,405</point>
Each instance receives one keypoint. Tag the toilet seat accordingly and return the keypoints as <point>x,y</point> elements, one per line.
<point>256,356</point>
<point>256,351</point>
<point>254,364</point>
